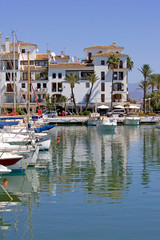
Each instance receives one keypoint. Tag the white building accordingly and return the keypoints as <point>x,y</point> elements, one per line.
<point>95,62</point>
<point>48,72</point>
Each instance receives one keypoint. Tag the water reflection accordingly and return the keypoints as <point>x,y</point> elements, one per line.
<point>100,167</point>
<point>23,190</point>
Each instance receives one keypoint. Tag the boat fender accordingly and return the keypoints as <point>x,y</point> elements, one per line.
<point>58,139</point>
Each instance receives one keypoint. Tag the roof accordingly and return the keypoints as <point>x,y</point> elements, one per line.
<point>27,44</point>
<point>104,47</point>
<point>67,65</point>
<point>22,44</point>
<point>32,67</point>
<point>63,56</point>
<point>106,54</point>
<point>9,55</point>
<point>41,56</point>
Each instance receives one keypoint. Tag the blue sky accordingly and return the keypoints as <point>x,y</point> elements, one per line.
<point>74,25</point>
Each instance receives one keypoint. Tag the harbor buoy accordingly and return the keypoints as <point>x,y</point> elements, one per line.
<point>5,182</point>
<point>58,139</point>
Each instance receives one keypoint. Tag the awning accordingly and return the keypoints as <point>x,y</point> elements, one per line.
<point>133,107</point>
<point>103,107</point>
<point>119,106</point>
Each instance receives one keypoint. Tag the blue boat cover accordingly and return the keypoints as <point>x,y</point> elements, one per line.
<point>44,128</point>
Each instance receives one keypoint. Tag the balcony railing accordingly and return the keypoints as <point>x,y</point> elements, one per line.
<point>41,90</point>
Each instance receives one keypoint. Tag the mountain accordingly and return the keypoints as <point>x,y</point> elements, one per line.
<point>134,92</point>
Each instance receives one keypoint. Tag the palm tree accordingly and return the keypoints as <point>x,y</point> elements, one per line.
<point>64,100</point>
<point>158,81</point>
<point>152,81</point>
<point>92,78</point>
<point>130,63</point>
<point>146,71</point>
<point>113,63</point>
<point>72,79</point>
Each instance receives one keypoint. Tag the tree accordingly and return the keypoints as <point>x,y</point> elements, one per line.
<point>53,101</point>
<point>130,63</point>
<point>92,78</point>
<point>64,100</point>
<point>158,81</point>
<point>146,71</point>
<point>72,79</point>
<point>152,81</point>
<point>48,101</point>
<point>113,63</point>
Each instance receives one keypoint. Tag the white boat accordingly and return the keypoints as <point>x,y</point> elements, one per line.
<point>4,169</point>
<point>131,121</point>
<point>107,123</point>
<point>9,159</point>
<point>42,139</point>
<point>93,119</point>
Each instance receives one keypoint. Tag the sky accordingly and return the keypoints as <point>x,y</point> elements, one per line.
<point>72,25</point>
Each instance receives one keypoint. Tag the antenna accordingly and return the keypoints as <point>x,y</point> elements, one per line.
<point>64,49</point>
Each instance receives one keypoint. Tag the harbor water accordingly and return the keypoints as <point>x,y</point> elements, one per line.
<point>90,185</point>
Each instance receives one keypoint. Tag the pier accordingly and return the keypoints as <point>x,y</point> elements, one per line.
<point>83,119</point>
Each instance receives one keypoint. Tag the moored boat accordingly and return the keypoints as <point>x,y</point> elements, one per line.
<point>131,121</point>
<point>107,123</point>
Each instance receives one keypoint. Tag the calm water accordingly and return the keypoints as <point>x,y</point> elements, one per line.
<point>96,185</point>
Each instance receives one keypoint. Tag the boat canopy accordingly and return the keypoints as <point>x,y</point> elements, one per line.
<point>103,107</point>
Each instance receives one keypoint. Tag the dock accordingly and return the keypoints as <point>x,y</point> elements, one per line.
<point>82,120</point>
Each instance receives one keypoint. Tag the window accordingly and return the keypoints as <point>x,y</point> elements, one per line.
<point>54,75</point>
<point>44,85</point>
<point>38,85</point>
<point>89,55</point>
<point>53,87</point>
<point>100,52</point>
<point>7,76</point>
<point>23,85</point>
<point>15,76</point>
<point>102,62</point>
<point>59,87</point>
<point>102,86</point>
<point>121,64</point>
<point>114,75</point>
<point>23,50</point>
<point>120,75</point>
<point>59,75</point>
<point>102,75</point>
<point>24,97</point>
<point>25,76</point>
<point>87,85</point>
<point>102,97</point>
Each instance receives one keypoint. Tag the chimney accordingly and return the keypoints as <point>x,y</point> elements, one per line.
<point>7,44</point>
<point>62,53</point>
<point>114,44</point>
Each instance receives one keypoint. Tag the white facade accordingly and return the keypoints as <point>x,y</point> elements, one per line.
<point>48,74</point>
<point>95,62</point>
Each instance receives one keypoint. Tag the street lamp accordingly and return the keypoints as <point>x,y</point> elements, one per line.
<point>149,104</point>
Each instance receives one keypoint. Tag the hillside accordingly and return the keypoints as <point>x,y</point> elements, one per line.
<point>134,93</point>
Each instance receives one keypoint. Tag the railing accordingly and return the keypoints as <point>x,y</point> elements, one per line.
<point>41,90</point>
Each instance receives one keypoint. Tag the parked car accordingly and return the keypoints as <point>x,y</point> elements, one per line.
<point>119,112</point>
<point>50,114</point>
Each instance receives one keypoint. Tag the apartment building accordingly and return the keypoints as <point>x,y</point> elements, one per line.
<point>110,82</point>
<point>48,72</point>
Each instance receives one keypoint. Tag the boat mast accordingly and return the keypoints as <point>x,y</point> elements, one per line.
<point>0,67</point>
<point>14,86</point>
<point>28,104</point>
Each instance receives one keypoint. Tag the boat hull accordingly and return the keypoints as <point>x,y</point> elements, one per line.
<point>131,121</point>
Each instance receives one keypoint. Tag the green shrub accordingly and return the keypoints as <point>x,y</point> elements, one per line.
<point>80,113</point>
<point>85,113</point>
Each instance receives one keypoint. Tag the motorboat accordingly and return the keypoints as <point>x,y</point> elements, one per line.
<point>93,119</point>
<point>9,159</point>
<point>107,123</point>
<point>4,169</point>
<point>131,121</point>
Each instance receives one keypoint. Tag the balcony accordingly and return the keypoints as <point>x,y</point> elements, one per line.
<point>41,90</point>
